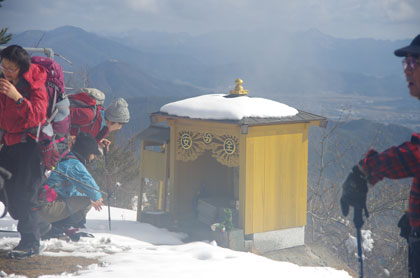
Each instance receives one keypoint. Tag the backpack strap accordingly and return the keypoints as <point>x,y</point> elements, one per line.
<point>54,109</point>
<point>68,155</point>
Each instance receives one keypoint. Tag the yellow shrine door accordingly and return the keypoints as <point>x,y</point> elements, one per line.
<point>276,177</point>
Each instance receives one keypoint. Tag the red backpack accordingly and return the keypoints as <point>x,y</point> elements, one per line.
<point>86,107</point>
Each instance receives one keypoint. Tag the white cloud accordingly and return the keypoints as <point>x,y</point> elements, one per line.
<point>142,5</point>
<point>402,10</point>
<point>350,18</point>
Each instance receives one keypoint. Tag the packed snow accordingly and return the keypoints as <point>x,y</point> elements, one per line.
<point>134,249</point>
<point>226,107</point>
<point>367,242</point>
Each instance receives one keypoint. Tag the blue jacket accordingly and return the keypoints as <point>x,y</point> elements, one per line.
<point>66,187</point>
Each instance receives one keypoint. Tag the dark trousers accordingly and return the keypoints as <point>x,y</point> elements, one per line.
<point>414,243</point>
<point>23,160</point>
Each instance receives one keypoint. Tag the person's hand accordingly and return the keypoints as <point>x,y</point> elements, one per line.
<point>354,192</point>
<point>104,143</point>
<point>8,89</point>
<point>98,204</point>
<point>4,175</point>
<point>71,141</point>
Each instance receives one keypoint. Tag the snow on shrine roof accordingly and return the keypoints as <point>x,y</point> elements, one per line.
<point>228,107</point>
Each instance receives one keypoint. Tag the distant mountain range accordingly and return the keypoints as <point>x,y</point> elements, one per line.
<point>123,79</point>
<point>269,62</point>
<point>309,48</point>
<point>92,55</point>
<point>347,142</point>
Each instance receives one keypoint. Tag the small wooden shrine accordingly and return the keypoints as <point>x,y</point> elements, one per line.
<point>255,166</point>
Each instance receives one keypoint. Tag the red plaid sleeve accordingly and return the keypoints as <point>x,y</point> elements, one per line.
<point>396,163</point>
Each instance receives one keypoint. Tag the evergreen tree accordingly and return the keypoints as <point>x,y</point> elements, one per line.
<point>3,37</point>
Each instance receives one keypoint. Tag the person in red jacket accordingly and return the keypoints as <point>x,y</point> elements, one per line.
<point>98,122</point>
<point>395,163</point>
<point>23,110</point>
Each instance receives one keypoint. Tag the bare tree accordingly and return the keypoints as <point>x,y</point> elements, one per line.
<point>78,79</point>
<point>386,202</point>
<point>123,167</point>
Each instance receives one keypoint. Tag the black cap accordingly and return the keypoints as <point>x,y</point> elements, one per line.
<point>413,48</point>
<point>85,145</point>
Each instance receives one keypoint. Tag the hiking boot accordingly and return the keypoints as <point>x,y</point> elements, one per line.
<point>26,239</point>
<point>23,252</point>
<point>72,234</point>
<point>25,248</point>
<point>75,235</point>
<point>21,245</point>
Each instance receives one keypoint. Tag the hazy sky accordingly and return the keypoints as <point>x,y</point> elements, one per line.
<point>383,19</point>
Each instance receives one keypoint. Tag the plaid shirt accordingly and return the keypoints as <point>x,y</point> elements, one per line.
<point>396,163</point>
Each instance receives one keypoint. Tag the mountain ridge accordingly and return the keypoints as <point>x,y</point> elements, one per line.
<point>267,63</point>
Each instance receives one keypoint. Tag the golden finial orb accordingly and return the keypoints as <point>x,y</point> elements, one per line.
<point>239,90</point>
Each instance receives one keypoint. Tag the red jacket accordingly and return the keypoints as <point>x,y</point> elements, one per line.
<point>396,163</point>
<point>16,119</point>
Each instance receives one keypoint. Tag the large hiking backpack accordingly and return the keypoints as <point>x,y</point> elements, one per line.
<point>55,131</point>
<point>86,107</point>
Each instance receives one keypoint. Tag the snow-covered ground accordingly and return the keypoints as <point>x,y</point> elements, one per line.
<point>135,249</point>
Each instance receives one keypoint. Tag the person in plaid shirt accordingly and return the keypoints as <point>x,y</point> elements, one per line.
<point>394,163</point>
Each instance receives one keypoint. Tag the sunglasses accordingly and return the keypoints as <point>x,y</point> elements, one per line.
<point>410,63</point>
<point>3,68</point>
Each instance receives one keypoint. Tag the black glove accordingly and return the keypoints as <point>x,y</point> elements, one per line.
<point>354,192</point>
<point>4,175</point>
<point>404,225</point>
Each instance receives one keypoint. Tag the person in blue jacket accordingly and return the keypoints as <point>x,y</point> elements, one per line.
<point>75,187</point>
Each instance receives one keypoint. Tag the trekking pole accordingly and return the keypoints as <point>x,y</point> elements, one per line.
<point>409,260</point>
<point>358,223</point>
<point>8,231</point>
<point>107,186</point>
<point>79,182</point>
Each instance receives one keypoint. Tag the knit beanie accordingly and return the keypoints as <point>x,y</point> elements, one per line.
<point>85,145</point>
<point>117,111</point>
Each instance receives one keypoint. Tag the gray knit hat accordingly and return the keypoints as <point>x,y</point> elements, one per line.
<point>117,111</point>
